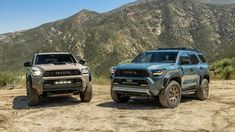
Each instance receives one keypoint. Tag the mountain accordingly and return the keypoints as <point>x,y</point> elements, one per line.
<point>218,1</point>
<point>105,39</point>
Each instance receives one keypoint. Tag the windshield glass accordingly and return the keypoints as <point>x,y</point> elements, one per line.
<point>156,57</point>
<point>54,59</point>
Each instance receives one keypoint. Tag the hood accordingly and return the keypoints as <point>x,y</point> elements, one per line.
<point>50,67</point>
<point>144,66</point>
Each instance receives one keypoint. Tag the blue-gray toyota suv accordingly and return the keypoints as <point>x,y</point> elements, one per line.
<point>164,73</point>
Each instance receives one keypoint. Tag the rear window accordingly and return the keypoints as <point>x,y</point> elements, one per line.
<point>202,58</point>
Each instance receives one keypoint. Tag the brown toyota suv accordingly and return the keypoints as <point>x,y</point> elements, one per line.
<point>57,73</point>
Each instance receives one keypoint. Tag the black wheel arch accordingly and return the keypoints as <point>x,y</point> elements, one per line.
<point>29,79</point>
<point>170,77</point>
<point>206,76</point>
<point>90,77</point>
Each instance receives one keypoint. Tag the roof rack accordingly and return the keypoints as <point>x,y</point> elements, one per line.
<point>186,49</point>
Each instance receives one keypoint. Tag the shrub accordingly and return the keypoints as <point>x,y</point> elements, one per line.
<point>227,72</point>
<point>7,78</point>
<point>223,69</point>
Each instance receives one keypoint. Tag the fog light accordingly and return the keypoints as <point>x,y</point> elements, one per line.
<point>143,85</point>
<point>63,82</point>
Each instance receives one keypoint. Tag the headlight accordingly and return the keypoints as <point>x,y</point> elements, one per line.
<point>158,72</point>
<point>112,70</point>
<point>36,71</point>
<point>85,71</point>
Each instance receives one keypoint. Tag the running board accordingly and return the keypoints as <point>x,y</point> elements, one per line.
<point>190,91</point>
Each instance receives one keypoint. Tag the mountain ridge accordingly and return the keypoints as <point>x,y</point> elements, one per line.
<point>105,39</point>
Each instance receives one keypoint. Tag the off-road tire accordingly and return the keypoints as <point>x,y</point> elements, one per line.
<point>87,94</point>
<point>33,97</point>
<point>203,91</point>
<point>170,97</point>
<point>119,98</point>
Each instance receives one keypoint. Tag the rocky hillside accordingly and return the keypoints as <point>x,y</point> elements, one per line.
<point>108,38</point>
<point>218,1</point>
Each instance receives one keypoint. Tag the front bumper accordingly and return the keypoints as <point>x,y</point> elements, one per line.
<point>151,87</point>
<point>47,84</point>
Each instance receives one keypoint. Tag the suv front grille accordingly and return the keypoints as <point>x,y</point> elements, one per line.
<point>130,82</point>
<point>131,73</point>
<point>61,73</point>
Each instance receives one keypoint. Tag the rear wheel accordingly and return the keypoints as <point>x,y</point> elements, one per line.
<point>33,97</point>
<point>170,96</point>
<point>118,98</point>
<point>87,95</point>
<point>203,91</point>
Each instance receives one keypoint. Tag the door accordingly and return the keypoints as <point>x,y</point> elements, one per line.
<point>189,72</point>
<point>195,66</point>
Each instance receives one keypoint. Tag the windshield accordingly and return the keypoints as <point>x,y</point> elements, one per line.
<point>156,57</point>
<point>54,59</point>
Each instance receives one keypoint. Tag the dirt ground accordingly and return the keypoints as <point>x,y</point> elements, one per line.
<point>101,114</point>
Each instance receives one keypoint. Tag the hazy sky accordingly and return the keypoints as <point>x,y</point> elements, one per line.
<point>18,15</point>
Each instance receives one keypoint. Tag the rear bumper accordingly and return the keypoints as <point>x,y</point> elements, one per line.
<point>47,84</point>
<point>152,87</point>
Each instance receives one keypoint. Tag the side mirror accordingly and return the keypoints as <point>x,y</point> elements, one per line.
<point>27,64</point>
<point>83,62</point>
<point>185,61</point>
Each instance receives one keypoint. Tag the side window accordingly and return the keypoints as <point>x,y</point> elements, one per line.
<point>193,59</point>
<point>202,58</point>
<point>184,59</point>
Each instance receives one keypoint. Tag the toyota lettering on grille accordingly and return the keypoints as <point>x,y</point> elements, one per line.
<point>130,72</point>
<point>59,73</point>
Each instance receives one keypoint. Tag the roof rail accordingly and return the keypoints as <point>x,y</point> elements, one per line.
<point>186,49</point>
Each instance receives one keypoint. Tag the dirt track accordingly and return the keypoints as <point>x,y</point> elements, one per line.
<point>101,114</point>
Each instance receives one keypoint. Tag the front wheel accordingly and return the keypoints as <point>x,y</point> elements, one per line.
<point>87,95</point>
<point>170,96</point>
<point>118,98</point>
<point>203,91</point>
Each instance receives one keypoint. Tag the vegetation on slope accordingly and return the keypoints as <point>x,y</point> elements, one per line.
<point>223,69</point>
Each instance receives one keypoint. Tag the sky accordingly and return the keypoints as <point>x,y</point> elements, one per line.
<point>16,15</point>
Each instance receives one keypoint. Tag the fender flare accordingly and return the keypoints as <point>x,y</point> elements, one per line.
<point>90,77</point>
<point>29,78</point>
<point>169,77</point>
<point>207,76</point>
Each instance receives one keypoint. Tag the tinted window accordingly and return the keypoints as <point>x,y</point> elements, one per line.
<point>202,58</point>
<point>193,58</point>
<point>54,59</point>
<point>185,58</point>
<point>157,57</point>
